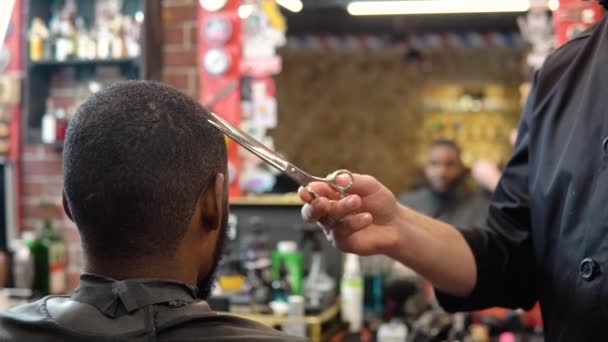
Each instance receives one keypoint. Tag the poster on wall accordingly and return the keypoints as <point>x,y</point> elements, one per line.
<point>219,58</point>
<point>573,17</point>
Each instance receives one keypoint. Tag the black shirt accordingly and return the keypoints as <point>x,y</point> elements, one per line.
<point>104,309</point>
<point>546,237</point>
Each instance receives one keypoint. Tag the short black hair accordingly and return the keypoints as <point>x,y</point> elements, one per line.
<point>137,157</point>
<point>446,143</point>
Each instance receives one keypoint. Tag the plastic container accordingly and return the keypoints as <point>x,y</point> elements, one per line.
<point>351,292</point>
<point>394,331</point>
<point>287,254</point>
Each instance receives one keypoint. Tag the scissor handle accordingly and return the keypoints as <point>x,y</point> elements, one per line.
<point>332,181</point>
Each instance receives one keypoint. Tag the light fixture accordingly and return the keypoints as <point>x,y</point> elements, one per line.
<point>436,7</point>
<point>292,5</point>
<point>554,5</point>
<point>245,11</point>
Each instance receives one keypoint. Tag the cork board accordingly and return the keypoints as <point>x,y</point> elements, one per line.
<point>364,109</point>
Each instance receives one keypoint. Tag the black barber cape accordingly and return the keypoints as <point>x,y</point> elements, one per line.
<point>546,236</point>
<point>103,309</point>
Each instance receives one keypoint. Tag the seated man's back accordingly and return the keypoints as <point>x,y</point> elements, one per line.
<point>144,182</point>
<point>133,310</point>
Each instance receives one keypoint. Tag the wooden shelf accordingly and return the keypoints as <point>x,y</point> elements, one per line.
<point>290,199</point>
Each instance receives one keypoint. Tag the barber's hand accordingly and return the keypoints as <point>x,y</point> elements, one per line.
<point>486,173</point>
<point>362,223</point>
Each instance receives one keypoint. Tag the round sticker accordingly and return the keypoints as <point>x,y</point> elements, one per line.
<point>218,30</point>
<point>216,61</point>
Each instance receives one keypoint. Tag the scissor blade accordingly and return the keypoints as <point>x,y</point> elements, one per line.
<point>250,143</point>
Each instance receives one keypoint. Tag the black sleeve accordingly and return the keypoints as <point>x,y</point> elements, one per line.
<point>502,247</point>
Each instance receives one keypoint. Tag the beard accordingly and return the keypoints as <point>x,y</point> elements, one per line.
<point>206,284</point>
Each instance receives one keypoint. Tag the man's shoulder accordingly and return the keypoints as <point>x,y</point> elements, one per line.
<point>192,322</point>
<point>578,49</point>
<point>226,327</point>
<point>27,312</point>
<point>414,197</point>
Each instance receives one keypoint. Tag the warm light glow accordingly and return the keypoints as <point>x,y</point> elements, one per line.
<point>554,5</point>
<point>436,7</point>
<point>292,5</point>
<point>245,11</point>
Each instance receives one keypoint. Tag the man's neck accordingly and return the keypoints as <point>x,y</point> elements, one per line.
<point>121,270</point>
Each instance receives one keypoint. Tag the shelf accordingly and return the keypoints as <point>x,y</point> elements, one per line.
<point>291,199</point>
<point>87,62</point>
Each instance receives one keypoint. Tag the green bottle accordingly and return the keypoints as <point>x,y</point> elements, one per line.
<point>39,246</point>
<point>289,256</point>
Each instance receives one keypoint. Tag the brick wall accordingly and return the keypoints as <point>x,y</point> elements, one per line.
<point>180,48</point>
<point>42,179</point>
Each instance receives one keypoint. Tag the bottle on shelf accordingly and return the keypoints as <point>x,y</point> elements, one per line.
<point>82,40</point>
<point>295,324</point>
<point>351,293</point>
<point>61,125</point>
<point>118,41</point>
<point>23,262</point>
<point>57,257</point>
<point>287,254</point>
<point>104,42</point>
<point>38,37</point>
<point>39,248</point>
<point>393,331</point>
<point>49,124</point>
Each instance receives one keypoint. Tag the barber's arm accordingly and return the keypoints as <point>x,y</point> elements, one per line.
<point>374,223</point>
<point>471,268</point>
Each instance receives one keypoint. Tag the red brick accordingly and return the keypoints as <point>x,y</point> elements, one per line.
<point>32,148</point>
<point>42,167</point>
<point>184,58</point>
<point>171,3</point>
<point>191,33</point>
<point>34,152</point>
<point>178,79</point>
<point>181,13</point>
<point>32,189</point>
<point>38,212</point>
<point>174,34</point>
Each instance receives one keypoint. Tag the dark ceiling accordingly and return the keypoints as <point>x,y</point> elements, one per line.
<point>331,17</point>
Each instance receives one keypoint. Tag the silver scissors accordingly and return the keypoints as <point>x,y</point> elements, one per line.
<point>273,159</point>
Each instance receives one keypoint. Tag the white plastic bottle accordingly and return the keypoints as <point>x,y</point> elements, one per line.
<point>49,125</point>
<point>351,293</point>
<point>394,331</point>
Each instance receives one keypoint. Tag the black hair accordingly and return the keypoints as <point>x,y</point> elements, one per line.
<point>137,157</point>
<point>447,143</point>
<point>604,3</point>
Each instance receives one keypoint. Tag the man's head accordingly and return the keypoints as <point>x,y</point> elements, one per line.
<point>144,180</point>
<point>444,168</point>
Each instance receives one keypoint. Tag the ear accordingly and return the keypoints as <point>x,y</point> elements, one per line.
<point>213,204</point>
<point>66,207</point>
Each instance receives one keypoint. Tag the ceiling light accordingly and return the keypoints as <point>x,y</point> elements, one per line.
<point>436,7</point>
<point>245,11</point>
<point>292,5</point>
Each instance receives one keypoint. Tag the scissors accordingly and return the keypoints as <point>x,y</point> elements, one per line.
<point>276,161</point>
